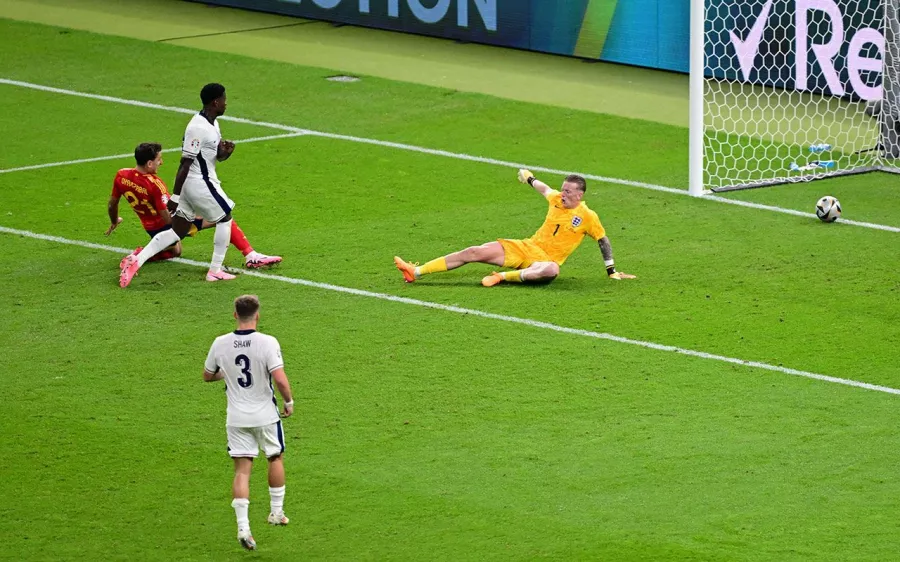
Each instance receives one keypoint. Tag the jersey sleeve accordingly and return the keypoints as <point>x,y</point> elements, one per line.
<point>273,356</point>
<point>595,229</point>
<point>211,365</point>
<point>115,187</point>
<point>159,200</point>
<point>193,138</point>
<point>551,193</point>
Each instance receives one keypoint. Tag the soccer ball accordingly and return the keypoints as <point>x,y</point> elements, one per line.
<point>828,209</point>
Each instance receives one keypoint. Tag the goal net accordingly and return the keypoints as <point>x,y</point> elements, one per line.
<point>793,90</point>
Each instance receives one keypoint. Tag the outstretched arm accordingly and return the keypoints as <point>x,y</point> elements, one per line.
<point>526,176</point>
<point>112,208</point>
<point>606,250</point>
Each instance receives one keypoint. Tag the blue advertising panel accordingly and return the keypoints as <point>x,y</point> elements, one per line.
<point>650,33</point>
<point>821,46</point>
<point>815,45</point>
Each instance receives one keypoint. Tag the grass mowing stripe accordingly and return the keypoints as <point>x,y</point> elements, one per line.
<point>447,154</point>
<point>482,314</point>
<point>130,154</point>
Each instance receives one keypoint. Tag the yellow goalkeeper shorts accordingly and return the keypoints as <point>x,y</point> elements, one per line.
<point>519,254</point>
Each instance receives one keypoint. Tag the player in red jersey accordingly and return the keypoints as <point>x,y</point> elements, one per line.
<point>147,194</point>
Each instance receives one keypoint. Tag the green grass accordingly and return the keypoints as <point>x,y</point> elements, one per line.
<point>421,433</point>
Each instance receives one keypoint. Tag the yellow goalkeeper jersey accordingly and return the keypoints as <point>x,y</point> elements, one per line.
<point>564,229</point>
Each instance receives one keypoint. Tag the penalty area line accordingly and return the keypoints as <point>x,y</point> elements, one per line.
<point>447,154</point>
<point>131,154</point>
<point>482,314</point>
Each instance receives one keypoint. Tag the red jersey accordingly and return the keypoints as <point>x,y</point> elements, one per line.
<point>146,193</point>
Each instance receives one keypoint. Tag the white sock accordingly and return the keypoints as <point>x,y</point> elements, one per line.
<point>277,500</point>
<point>220,245</point>
<point>241,507</point>
<point>159,243</point>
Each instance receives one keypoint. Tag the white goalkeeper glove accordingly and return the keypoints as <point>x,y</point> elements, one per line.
<point>526,176</point>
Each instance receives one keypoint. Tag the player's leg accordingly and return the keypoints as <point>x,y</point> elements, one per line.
<point>160,241</point>
<point>208,201</point>
<point>243,448</point>
<point>252,258</point>
<point>168,253</point>
<point>276,491</point>
<point>272,439</point>
<point>199,224</point>
<point>240,491</point>
<point>132,263</point>
<point>491,253</point>
<point>537,272</point>
<point>221,240</point>
<point>530,263</point>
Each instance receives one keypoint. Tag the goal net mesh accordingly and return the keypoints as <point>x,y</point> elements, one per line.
<point>799,89</point>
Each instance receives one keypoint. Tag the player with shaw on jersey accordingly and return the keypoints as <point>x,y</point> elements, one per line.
<point>250,362</point>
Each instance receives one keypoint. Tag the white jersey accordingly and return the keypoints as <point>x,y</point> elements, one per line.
<point>201,142</point>
<point>247,358</point>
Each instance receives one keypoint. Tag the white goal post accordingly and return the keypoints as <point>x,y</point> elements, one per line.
<point>785,91</point>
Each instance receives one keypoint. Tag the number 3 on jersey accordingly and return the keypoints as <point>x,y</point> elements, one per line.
<point>243,362</point>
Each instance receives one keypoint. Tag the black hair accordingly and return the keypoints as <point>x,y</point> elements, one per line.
<point>211,92</point>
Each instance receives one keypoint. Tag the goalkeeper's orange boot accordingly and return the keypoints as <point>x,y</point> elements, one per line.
<point>407,269</point>
<point>492,279</point>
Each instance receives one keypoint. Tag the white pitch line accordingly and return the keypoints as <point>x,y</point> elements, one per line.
<point>138,103</point>
<point>799,213</point>
<point>481,314</point>
<point>131,154</point>
<point>448,154</point>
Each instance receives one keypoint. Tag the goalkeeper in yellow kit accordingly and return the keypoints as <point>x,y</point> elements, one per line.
<point>535,259</point>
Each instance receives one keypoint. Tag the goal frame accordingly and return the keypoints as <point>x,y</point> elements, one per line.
<point>889,126</point>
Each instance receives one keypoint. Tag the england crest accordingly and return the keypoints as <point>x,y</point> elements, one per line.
<point>576,221</point>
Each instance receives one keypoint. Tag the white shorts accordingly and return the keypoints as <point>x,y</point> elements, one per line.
<point>202,198</point>
<point>247,441</point>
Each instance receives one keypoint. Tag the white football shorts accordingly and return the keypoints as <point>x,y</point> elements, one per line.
<point>203,198</point>
<point>247,441</point>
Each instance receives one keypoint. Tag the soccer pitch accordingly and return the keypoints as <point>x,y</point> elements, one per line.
<point>735,402</point>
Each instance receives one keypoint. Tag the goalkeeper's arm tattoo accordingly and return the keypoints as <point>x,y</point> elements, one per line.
<point>606,250</point>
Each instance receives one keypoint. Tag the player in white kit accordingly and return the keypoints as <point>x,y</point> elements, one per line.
<point>197,191</point>
<point>250,362</point>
